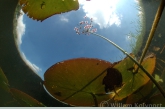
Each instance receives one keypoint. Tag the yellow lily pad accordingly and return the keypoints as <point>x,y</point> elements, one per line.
<point>42,9</point>
<point>133,82</point>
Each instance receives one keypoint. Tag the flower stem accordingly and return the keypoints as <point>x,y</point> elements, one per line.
<point>154,26</point>
<point>140,66</point>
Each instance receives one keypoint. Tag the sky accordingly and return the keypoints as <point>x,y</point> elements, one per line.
<point>42,44</point>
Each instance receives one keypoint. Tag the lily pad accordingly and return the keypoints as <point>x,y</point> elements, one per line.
<point>77,81</point>
<point>3,81</point>
<point>42,9</point>
<point>23,99</point>
<point>140,94</point>
<point>5,95</point>
<point>163,77</point>
<point>156,101</point>
<point>131,81</point>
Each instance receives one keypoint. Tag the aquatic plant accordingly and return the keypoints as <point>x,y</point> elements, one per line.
<point>87,89</point>
<point>42,9</point>
<point>87,29</point>
<point>14,97</point>
<point>19,97</point>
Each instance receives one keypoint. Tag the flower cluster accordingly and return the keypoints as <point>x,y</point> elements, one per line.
<point>85,27</point>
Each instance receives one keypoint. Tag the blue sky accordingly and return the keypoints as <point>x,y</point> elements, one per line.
<point>43,44</point>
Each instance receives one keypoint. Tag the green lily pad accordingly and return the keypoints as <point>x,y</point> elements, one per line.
<point>23,99</point>
<point>42,9</point>
<point>78,81</point>
<point>133,82</point>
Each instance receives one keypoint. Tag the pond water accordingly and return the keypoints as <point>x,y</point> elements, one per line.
<point>42,44</point>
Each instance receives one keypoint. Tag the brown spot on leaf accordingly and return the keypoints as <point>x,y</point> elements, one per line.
<point>112,79</point>
<point>58,93</point>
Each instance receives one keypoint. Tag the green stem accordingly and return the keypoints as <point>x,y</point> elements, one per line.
<point>95,99</point>
<point>154,26</point>
<point>150,76</point>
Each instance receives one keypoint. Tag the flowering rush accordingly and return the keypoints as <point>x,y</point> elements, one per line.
<point>85,27</point>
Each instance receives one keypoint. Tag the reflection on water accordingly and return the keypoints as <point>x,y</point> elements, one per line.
<point>53,40</point>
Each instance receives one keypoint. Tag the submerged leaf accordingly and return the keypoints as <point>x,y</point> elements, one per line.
<point>24,99</point>
<point>5,95</point>
<point>133,82</point>
<point>3,81</point>
<point>140,94</point>
<point>77,81</point>
<point>42,9</point>
<point>156,101</point>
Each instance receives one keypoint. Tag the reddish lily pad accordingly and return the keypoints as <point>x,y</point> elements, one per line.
<point>133,82</point>
<point>77,81</point>
<point>42,9</point>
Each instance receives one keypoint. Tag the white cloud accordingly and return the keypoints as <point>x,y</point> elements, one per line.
<point>64,19</point>
<point>102,11</point>
<point>20,29</point>
<point>34,67</point>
